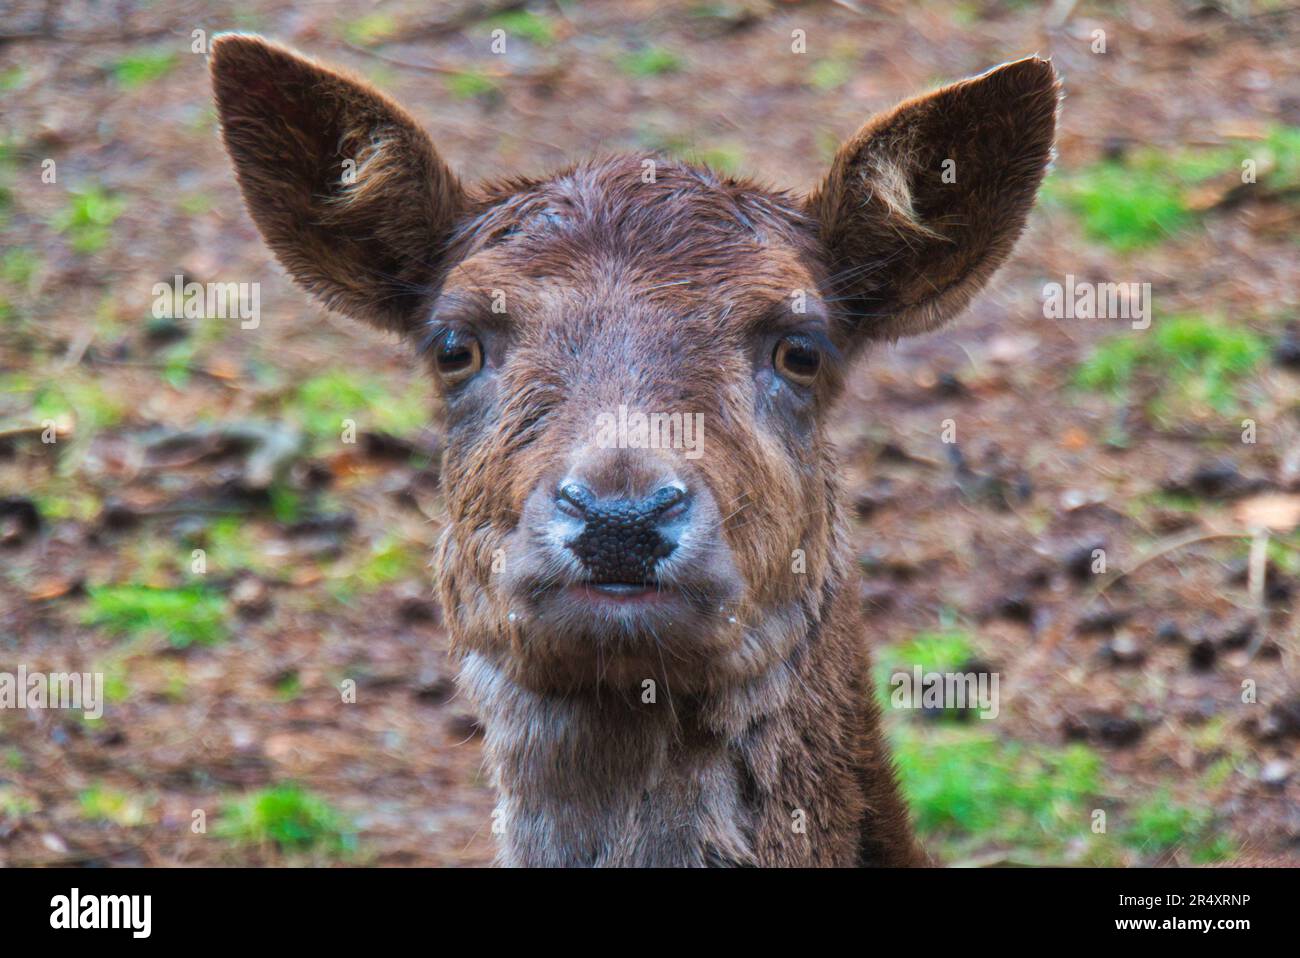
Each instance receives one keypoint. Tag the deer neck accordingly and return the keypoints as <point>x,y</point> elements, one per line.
<point>759,772</point>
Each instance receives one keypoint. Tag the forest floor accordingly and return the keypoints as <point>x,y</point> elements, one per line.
<point>1087,536</point>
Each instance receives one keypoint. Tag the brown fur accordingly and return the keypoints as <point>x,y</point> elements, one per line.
<point>668,295</point>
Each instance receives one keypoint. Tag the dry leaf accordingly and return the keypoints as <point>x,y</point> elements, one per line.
<point>1275,511</point>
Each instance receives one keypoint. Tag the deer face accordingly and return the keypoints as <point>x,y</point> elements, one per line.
<point>632,361</point>
<point>660,355</point>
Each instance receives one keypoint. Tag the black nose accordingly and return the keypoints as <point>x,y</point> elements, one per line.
<point>622,539</point>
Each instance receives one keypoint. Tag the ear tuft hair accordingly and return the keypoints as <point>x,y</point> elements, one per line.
<point>924,203</point>
<point>347,190</point>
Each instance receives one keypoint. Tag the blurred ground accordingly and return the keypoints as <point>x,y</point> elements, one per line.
<point>1160,691</point>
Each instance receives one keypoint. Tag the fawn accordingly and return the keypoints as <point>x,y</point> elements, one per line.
<point>666,648</point>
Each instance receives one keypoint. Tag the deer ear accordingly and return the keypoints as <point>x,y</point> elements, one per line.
<point>926,201</point>
<point>345,187</point>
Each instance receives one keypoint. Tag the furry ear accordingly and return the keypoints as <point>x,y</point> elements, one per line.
<point>926,201</point>
<point>346,189</point>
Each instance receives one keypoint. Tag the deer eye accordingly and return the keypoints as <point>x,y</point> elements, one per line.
<point>457,356</point>
<point>798,359</point>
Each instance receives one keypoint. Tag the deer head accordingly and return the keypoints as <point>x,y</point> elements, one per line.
<point>555,312</point>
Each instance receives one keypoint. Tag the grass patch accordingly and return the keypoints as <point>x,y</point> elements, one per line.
<point>18,266</point>
<point>372,28</point>
<point>1140,200</point>
<point>650,61</point>
<point>829,75</point>
<point>1281,149</point>
<point>1125,207</point>
<point>72,400</point>
<point>968,789</point>
<point>137,69</point>
<point>472,84</point>
<point>195,204</point>
<point>389,560</point>
<point>723,159</point>
<point>1199,362</point>
<point>100,804</point>
<point>943,650</point>
<point>15,804</point>
<point>1160,826</point>
<point>289,818</point>
<point>62,497</point>
<point>86,401</point>
<point>185,616</point>
<point>322,403</point>
<point>1284,552</point>
<point>1150,194</point>
<point>87,217</point>
<point>230,546</point>
<point>533,27</point>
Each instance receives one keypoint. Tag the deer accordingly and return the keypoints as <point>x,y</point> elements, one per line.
<point>666,647</point>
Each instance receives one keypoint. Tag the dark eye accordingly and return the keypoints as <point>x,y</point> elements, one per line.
<point>798,359</point>
<point>457,356</point>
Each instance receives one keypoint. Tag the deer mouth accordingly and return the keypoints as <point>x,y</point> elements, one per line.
<point>620,591</point>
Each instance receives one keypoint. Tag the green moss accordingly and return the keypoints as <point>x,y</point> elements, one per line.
<point>66,498</point>
<point>14,804</point>
<point>1161,825</point>
<point>137,69</point>
<point>72,395</point>
<point>649,61</point>
<point>322,403</point>
<point>289,687</point>
<point>830,74</point>
<point>231,545</point>
<point>1281,149</point>
<point>102,804</point>
<point>18,267</point>
<point>1126,207</point>
<point>723,158</point>
<point>371,28</point>
<point>944,650</point>
<point>87,217</point>
<point>969,788</point>
<point>534,27</point>
<point>288,817</point>
<point>1147,196</point>
<point>188,615</point>
<point>1198,361</point>
<point>471,84</point>
<point>1284,552</point>
<point>195,204</point>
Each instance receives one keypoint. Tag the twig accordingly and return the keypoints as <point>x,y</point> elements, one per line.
<point>142,364</point>
<point>1169,545</point>
<point>20,432</point>
<point>88,39</point>
<point>1256,573</point>
<point>495,73</point>
<point>421,67</point>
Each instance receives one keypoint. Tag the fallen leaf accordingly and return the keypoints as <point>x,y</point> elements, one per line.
<point>1275,511</point>
<point>48,589</point>
<point>1074,439</point>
